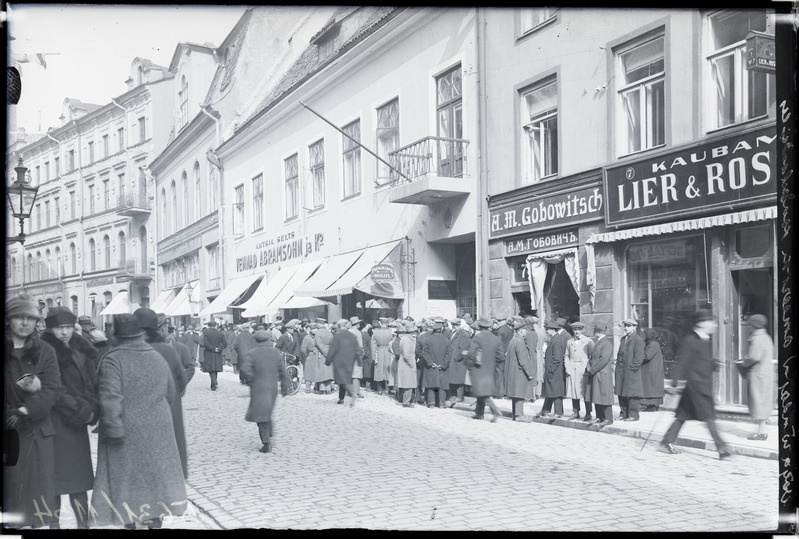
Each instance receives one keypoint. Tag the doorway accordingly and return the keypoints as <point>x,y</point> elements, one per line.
<point>560,299</point>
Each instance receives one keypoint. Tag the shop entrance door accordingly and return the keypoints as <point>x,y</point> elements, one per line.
<point>560,299</point>
<point>754,294</point>
<point>466,300</point>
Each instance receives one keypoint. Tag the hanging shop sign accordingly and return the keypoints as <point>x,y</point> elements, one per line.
<point>760,52</point>
<point>531,243</point>
<point>722,175</point>
<point>438,289</point>
<point>285,247</point>
<point>382,272</point>
<point>543,213</point>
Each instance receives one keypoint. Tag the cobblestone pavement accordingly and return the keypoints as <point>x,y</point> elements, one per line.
<point>381,466</point>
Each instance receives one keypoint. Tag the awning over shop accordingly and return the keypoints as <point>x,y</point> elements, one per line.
<point>297,275</point>
<point>266,292</point>
<point>162,300</point>
<point>119,304</point>
<point>186,302</point>
<point>234,289</point>
<point>740,217</point>
<point>370,257</point>
<point>303,303</point>
<point>330,272</point>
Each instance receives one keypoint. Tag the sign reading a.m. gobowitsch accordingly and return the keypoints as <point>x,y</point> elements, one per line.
<point>721,175</point>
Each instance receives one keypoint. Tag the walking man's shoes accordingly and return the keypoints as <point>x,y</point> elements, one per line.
<point>477,416</point>
<point>724,455</point>
<point>666,447</point>
<point>575,415</point>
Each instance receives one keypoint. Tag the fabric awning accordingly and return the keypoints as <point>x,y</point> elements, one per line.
<point>748,216</point>
<point>297,276</point>
<point>163,300</point>
<point>360,268</point>
<point>186,302</point>
<point>303,303</point>
<point>335,266</point>
<point>266,292</point>
<point>234,289</point>
<point>119,304</point>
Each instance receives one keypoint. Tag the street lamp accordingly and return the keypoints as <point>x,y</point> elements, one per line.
<point>21,197</point>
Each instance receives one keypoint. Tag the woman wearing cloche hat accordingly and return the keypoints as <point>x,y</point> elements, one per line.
<point>32,364</point>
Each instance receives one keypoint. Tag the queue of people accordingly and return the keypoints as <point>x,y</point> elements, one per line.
<point>63,377</point>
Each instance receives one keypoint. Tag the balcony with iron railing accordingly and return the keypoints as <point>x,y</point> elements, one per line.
<point>133,204</point>
<point>429,170</point>
<point>133,269</point>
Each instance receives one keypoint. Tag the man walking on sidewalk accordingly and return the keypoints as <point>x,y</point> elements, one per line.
<point>695,365</point>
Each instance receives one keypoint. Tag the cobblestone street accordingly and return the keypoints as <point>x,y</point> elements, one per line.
<point>381,466</point>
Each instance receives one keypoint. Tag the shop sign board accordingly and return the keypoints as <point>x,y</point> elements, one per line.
<point>541,241</point>
<point>725,174</point>
<point>439,289</point>
<point>544,213</point>
<point>660,251</point>
<point>382,272</point>
<point>282,248</point>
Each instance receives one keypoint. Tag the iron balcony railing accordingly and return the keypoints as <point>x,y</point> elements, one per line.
<point>134,266</point>
<point>440,156</point>
<point>133,200</point>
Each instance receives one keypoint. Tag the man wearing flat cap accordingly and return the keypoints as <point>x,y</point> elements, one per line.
<point>519,372</point>
<point>629,384</point>
<point>695,365</point>
<point>554,387</point>
<point>599,376</point>
<point>578,350</point>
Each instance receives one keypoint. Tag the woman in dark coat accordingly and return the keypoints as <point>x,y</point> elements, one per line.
<point>344,353</point>
<point>138,463</point>
<point>28,472</point>
<point>652,373</point>
<point>519,373</point>
<point>696,366</point>
<point>262,368</point>
<point>77,406</point>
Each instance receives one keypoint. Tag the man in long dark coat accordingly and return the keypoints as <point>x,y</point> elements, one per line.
<point>554,387</point>
<point>424,334</point>
<point>505,334</point>
<point>344,353</point>
<point>599,377</point>
<point>695,365</point>
<point>460,341</point>
<point>519,372</point>
<point>245,341</point>
<point>435,376</point>
<point>481,358</point>
<point>213,343</point>
<point>534,348</point>
<point>191,339</point>
<point>629,386</point>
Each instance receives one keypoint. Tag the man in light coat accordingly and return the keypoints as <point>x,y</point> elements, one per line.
<point>406,380</point>
<point>353,326</point>
<point>599,376</point>
<point>578,350</point>
<point>381,353</point>
<point>629,385</point>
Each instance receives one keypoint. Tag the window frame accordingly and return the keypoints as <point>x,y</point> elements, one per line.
<point>383,172</point>
<point>291,187</point>
<point>450,165</point>
<point>522,31</point>
<point>317,168</point>
<point>545,115</point>
<point>238,210</point>
<point>257,183</point>
<point>351,161</point>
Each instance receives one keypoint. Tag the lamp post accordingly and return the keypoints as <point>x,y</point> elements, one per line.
<point>21,197</point>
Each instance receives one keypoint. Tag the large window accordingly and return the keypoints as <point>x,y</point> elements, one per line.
<point>106,147</point>
<point>92,255</point>
<point>70,160</point>
<point>532,18</point>
<point>238,210</point>
<point>668,281</point>
<point>47,215</point>
<point>142,129</point>
<point>387,135</point>
<point>57,207</point>
<point>213,190</point>
<point>183,98</point>
<point>57,166</point>
<point>540,130</point>
<point>258,202</point>
<point>164,230</point>
<point>316,154</point>
<point>198,191</point>
<point>107,252</point>
<point>641,96</point>
<point>72,205</point>
<point>735,94</point>
<point>73,259</point>
<point>449,110</point>
<point>47,171</point>
<point>352,159</point>
<point>121,138</point>
<point>292,187</point>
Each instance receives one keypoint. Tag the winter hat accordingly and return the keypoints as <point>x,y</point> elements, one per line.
<point>758,321</point>
<point>22,305</point>
<point>60,316</point>
<point>147,318</point>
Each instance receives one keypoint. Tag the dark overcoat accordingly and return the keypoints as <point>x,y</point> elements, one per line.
<point>143,471</point>
<point>229,352</point>
<point>531,340</point>
<point>460,341</point>
<point>32,476</point>
<point>519,370</point>
<point>343,355</point>
<point>599,380</point>
<point>172,359</point>
<point>192,341</point>
<point>244,343</point>
<point>554,369</point>
<point>421,339</point>
<point>695,365</point>
<point>77,407</point>
<point>212,344</point>
<point>628,366</point>
<point>652,376</point>
<point>368,360</point>
<point>482,376</point>
<point>435,366</point>
<point>186,360</point>
<point>262,368</point>
<point>505,334</point>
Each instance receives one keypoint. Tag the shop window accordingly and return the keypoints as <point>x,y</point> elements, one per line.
<point>352,159</point>
<point>387,135</point>
<point>449,109</point>
<point>668,282</point>
<point>735,94</point>
<point>753,242</point>
<point>641,97</point>
<point>540,127</point>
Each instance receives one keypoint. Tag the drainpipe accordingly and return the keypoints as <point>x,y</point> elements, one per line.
<point>61,190</point>
<point>213,158</point>
<point>481,234</point>
<point>127,161</point>
<point>79,168</point>
<point>154,213</point>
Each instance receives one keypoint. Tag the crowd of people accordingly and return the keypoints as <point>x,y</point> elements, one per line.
<point>63,377</point>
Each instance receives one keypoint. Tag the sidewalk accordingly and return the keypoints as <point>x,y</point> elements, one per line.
<point>693,433</point>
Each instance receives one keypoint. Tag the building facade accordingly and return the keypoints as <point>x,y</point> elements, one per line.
<point>642,181</point>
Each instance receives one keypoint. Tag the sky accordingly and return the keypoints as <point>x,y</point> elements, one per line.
<point>95,45</point>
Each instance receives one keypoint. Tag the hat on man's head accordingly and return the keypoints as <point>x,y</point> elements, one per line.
<point>85,320</point>
<point>146,317</point>
<point>577,325</point>
<point>262,335</point>
<point>162,319</point>
<point>211,322</point>
<point>321,321</point>
<point>629,322</point>
<point>757,321</point>
<point>98,336</point>
<point>483,322</point>
<point>602,328</point>
<point>519,324</point>
<point>342,323</point>
<point>60,316</point>
<point>551,323</point>
<point>355,320</point>
<point>22,305</point>
<point>127,326</point>
<point>291,323</point>
<point>703,315</point>
<point>530,320</point>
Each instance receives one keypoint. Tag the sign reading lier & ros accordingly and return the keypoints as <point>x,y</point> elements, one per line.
<point>724,174</point>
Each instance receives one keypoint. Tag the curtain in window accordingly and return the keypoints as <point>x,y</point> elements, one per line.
<point>537,272</point>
